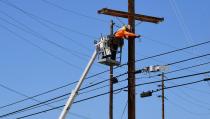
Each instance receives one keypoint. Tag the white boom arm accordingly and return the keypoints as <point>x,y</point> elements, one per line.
<point>77,88</point>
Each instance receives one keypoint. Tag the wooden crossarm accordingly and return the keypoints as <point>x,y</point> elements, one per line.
<point>123,14</point>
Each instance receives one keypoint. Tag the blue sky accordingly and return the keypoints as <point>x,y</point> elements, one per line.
<point>31,63</point>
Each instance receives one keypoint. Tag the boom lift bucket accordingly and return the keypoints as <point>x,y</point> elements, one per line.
<point>107,54</point>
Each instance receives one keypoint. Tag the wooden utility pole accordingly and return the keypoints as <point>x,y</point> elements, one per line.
<point>131,63</point>
<point>131,47</point>
<point>111,78</point>
<point>163,96</point>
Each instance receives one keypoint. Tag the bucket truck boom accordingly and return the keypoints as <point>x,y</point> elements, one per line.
<point>77,88</point>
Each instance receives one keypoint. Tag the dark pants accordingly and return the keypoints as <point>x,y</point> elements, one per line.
<point>114,47</point>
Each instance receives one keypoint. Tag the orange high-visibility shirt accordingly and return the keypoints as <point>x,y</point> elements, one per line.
<point>122,33</point>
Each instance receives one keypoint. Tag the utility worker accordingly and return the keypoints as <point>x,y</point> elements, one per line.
<point>119,35</point>
<point>125,33</point>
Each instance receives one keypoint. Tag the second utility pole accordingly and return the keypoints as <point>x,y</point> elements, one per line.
<point>163,96</point>
<point>111,79</point>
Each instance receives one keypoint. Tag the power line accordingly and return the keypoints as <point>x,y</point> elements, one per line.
<point>60,100</point>
<point>44,51</point>
<point>140,22</point>
<point>186,110</point>
<point>39,36</point>
<point>193,98</point>
<point>194,66</point>
<point>169,52</point>
<point>36,96</point>
<point>180,85</point>
<point>189,100</point>
<point>168,45</point>
<point>12,5</point>
<point>64,27</point>
<point>120,21</point>
<point>122,64</point>
<point>181,22</point>
<point>74,114</point>
<point>52,101</point>
<point>33,97</point>
<point>40,48</point>
<point>146,77</point>
<point>117,90</point>
<point>199,44</point>
<point>52,90</point>
<point>183,85</point>
<point>116,76</point>
<point>37,19</point>
<point>188,59</point>
<point>180,49</point>
<point>161,54</point>
<point>156,75</point>
<point>198,65</point>
<point>198,90</point>
<point>58,32</point>
<point>77,13</point>
<point>177,70</point>
<point>73,12</point>
<point>63,105</point>
<point>147,57</point>
<point>126,104</point>
<point>181,61</point>
<point>194,103</point>
<point>180,77</point>
<point>147,83</point>
<point>21,110</point>
<point>16,92</point>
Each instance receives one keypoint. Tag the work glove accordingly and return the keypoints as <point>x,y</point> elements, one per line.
<point>138,36</point>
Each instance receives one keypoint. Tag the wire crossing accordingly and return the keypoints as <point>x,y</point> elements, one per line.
<point>173,63</point>
<point>102,94</point>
